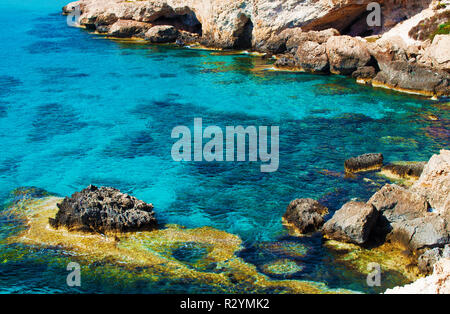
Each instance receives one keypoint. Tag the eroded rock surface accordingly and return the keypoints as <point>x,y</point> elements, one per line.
<point>346,54</point>
<point>104,209</point>
<point>305,215</point>
<point>437,283</point>
<point>434,183</point>
<point>352,223</point>
<point>364,162</point>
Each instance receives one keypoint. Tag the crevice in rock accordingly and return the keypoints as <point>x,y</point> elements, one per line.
<point>187,22</point>
<point>359,27</point>
<point>244,36</point>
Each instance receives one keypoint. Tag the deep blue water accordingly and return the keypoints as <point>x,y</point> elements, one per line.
<point>78,109</point>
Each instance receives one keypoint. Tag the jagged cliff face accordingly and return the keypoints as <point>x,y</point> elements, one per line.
<point>248,23</point>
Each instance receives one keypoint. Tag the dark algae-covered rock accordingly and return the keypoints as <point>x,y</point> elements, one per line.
<point>364,162</point>
<point>104,209</point>
<point>305,215</point>
<point>407,170</point>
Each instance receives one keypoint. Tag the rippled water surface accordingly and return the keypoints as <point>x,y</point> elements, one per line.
<point>77,109</point>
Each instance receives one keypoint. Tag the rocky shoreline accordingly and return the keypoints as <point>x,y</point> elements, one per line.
<point>403,229</point>
<point>406,52</point>
<point>415,218</point>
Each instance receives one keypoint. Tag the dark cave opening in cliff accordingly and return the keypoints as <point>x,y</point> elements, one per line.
<point>187,22</point>
<point>245,36</point>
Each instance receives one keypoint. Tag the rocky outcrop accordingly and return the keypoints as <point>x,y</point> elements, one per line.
<point>427,260</point>
<point>364,73</point>
<point>103,209</point>
<point>162,34</point>
<point>412,78</point>
<point>410,171</point>
<point>404,218</point>
<point>127,28</point>
<point>352,223</point>
<point>438,52</point>
<point>346,54</point>
<point>311,56</point>
<point>437,283</point>
<point>434,183</point>
<point>365,162</point>
<point>404,215</point>
<point>305,215</point>
<point>407,68</point>
<point>306,33</point>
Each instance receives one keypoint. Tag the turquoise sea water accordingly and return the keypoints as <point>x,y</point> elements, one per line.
<point>78,109</point>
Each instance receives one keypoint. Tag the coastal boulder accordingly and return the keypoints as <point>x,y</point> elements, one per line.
<point>128,28</point>
<point>285,61</point>
<point>427,260</point>
<point>428,231</point>
<point>408,170</point>
<point>434,182</point>
<point>364,73</point>
<point>162,34</point>
<point>305,215</point>
<point>352,223</point>
<point>438,52</point>
<point>364,162</point>
<point>396,203</point>
<point>400,69</point>
<point>405,219</point>
<point>312,57</point>
<point>346,54</point>
<point>296,37</point>
<point>104,209</point>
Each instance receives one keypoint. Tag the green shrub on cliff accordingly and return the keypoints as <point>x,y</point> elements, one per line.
<point>443,29</point>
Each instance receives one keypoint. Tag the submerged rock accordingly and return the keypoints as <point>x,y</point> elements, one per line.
<point>104,209</point>
<point>364,162</point>
<point>352,223</point>
<point>305,215</point>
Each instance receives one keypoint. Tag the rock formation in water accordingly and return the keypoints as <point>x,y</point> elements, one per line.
<point>305,215</point>
<point>364,162</point>
<point>417,218</point>
<point>407,171</point>
<point>104,209</point>
<point>352,223</point>
<point>406,51</point>
<point>434,183</point>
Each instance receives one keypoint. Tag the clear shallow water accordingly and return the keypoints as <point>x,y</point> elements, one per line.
<point>77,109</point>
